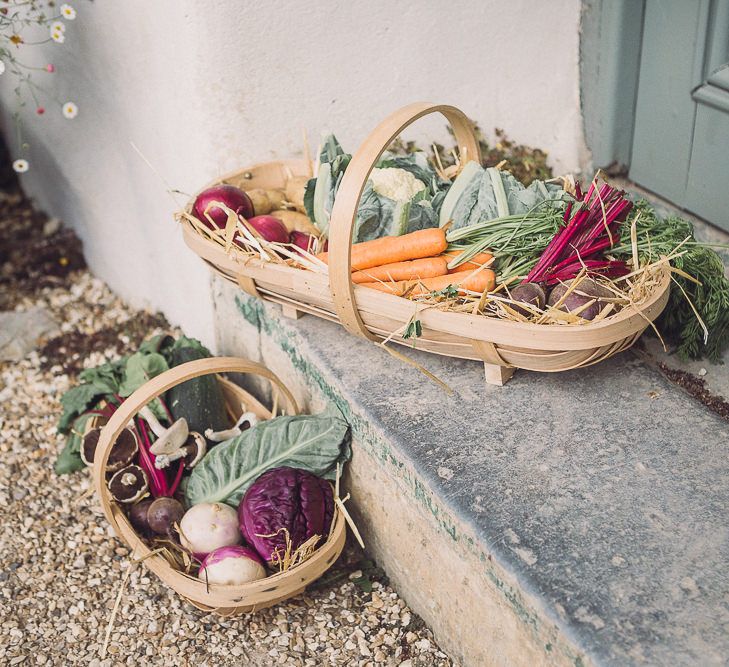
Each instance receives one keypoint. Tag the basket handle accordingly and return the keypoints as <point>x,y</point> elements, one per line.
<point>346,203</point>
<point>158,385</point>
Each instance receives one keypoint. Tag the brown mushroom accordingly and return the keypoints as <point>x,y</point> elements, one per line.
<point>129,484</point>
<point>122,453</point>
<point>245,421</point>
<point>191,452</point>
<point>88,446</point>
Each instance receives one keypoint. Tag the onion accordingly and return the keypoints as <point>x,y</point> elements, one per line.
<point>270,228</point>
<point>232,566</point>
<point>234,198</point>
<point>209,526</point>
<point>302,240</point>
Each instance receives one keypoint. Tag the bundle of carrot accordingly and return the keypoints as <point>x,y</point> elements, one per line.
<point>416,264</point>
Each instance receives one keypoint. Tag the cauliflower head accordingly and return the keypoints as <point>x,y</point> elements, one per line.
<point>396,184</point>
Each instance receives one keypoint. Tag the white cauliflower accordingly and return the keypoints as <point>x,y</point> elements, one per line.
<point>396,184</point>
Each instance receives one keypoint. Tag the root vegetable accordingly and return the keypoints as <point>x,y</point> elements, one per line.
<point>209,526</point>
<point>270,228</point>
<point>530,293</point>
<point>391,249</point>
<point>587,290</point>
<point>471,265</point>
<point>229,195</point>
<point>265,201</point>
<point>163,514</point>
<point>232,566</point>
<point>428,267</point>
<point>295,188</point>
<point>482,281</point>
<point>296,222</point>
<point>138,515</point>
<point>302,240</point>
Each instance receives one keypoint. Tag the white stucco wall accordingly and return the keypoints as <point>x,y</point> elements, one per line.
<point>204,87</point>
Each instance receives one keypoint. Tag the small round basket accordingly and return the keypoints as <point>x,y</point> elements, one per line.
<point>222,600</point>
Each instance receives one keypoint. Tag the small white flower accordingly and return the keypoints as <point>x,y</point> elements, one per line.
<point>68,12</point>
<point>58,36</point>
<point>57,26</point>
<point>2,67</point>
<point>70,110</point>
<point>21,166</point>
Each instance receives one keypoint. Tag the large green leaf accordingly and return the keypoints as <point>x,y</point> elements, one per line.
<point>310,442</point>
<point>477,193</point>
<point>75,401</point>
<point>141,368</point>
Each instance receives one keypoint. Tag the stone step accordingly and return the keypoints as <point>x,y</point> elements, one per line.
<point>564,519</point>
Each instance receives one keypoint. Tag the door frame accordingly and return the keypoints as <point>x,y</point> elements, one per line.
<point>611,35</point>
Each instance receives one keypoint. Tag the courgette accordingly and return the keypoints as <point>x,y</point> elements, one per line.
<point>200,400</point>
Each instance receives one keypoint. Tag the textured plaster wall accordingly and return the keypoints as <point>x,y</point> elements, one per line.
<point>204,87</point>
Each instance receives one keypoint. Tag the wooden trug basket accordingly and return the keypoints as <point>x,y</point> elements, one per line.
<point>502,345</point>
<point>222,600</point>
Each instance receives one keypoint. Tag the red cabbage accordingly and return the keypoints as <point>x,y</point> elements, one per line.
<point>289,498</point>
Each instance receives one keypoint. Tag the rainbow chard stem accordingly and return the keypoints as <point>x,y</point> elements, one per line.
<point>591,228</point>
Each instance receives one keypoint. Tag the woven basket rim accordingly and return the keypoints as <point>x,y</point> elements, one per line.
<point>478,320</point>
<point>228,598</point>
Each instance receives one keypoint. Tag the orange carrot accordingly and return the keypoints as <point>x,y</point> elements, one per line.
<point>483,280</point>
<point>391,249</point>
<point>471,265</point>
<point>428,267</point>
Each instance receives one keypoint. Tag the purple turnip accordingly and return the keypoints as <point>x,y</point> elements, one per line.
<point>233,566</point>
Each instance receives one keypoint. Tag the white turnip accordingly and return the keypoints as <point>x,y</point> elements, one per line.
<point>209,526</point>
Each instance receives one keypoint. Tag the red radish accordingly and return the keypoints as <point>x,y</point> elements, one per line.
<point>234,198</point>
<point>270,228</point>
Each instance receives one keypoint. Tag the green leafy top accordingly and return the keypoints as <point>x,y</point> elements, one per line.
<point>117,378</point>
<point>310,442</point>
<point>377,215</point>
<point>658,236</point>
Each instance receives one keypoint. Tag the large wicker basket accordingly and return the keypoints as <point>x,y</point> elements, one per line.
<point>502,345</point>
<point>223,600</point>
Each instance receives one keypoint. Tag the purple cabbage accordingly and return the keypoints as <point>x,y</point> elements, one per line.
<point>289,498</point>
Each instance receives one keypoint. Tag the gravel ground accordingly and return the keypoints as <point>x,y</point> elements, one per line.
<point>60,567</point>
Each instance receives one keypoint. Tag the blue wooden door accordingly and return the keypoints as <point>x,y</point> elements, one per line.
<point>681,135</point>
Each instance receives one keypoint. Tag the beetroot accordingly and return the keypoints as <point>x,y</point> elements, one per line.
<point>289,498</point>
<point>587,290</point>
<point>530,293</point>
